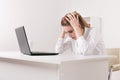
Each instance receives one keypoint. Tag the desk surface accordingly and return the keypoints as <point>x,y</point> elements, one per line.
<point>52,59</point>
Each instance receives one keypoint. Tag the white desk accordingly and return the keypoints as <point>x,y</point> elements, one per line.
<point>16,66</point>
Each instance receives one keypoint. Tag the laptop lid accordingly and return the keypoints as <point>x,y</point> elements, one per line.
<point>22,40</point>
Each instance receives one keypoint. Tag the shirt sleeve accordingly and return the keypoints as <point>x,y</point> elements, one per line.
<point>62,45</point>
<point>86,46</point>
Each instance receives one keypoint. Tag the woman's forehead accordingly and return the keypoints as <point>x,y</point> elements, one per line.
<point>67,27</point>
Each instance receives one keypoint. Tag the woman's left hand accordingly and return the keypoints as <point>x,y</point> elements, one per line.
<point>74,21</point>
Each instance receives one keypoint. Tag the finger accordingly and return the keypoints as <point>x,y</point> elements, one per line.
<point>70,16</point>
<point>73,15</point>
<point>67,19</point>
<point>77,17</point>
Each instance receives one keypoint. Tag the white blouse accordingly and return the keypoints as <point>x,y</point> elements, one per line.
<point>90,43</point>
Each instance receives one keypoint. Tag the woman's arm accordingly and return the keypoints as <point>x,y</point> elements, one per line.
<point>86,46</point>
<point>62,43</point>
<point>62,35</point>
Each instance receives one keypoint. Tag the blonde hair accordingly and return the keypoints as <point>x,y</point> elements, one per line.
<point>82,21</point>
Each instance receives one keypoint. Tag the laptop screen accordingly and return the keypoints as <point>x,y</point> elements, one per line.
<point>22,40</point>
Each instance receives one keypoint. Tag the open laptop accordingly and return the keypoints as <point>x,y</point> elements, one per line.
<point>24,45</point>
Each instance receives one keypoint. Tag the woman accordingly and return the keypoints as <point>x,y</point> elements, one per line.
<point>78,40</point>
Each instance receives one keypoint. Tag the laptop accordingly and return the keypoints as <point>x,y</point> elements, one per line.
<point>24,45</point>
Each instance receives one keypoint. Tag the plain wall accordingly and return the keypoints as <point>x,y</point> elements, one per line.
<point>43,17</point>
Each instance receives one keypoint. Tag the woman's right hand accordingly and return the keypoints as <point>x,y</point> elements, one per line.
<point>62,35</point>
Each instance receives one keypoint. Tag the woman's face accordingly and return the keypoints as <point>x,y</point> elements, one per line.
<point>70,31</point>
